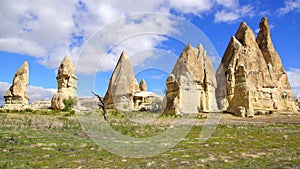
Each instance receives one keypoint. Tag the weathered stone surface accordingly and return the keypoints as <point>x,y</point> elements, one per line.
<point>241,97</point>
<point>40,104</point>
<point>66,83</point>
<point>263,85</point>
<point>17,95</point>
<point>143,85</point>
<point>122,86</point>
<point>298,104</point>
<point>147,101</point>
<point>191,85</point>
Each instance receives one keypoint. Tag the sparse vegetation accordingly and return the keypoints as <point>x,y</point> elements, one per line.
<point>34,140</point>
<point>69,103</point>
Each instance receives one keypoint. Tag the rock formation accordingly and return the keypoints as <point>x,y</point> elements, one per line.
<point>298,104</point>
<point>122,86</point>
<point>17,95</point>
<point>40,104</point>
<point>251,76</point>
<point>191,85</point>
<point>147,101</point>
<point>143,85</point>
<point>66,84</point>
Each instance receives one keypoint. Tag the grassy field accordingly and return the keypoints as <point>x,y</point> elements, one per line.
<point>40,140</point>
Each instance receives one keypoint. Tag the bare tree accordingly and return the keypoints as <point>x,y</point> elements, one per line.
<point>102,105</point>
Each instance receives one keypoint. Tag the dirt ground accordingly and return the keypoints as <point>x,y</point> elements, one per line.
<point>284,118</point>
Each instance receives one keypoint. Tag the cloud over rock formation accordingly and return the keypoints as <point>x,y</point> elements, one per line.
<point>17,95</point>
<point>191,85</point>
<point>255,80</point>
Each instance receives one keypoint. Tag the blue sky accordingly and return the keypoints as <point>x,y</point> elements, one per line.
<point>153,34</point>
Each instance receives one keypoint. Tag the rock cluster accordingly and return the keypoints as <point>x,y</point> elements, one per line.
<point>255,81</point>
<point>66,84</point>
<point>250,80</point>
<point>191,84</point>
<point>17,95</point>
<point>122,86</point>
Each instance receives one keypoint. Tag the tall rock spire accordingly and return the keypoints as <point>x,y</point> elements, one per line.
<point>191,85</point>
<point>270,54</point>
<point>17,95</point>
<point>267,86</point>
<point>122,86</point>
<point>66,83</point>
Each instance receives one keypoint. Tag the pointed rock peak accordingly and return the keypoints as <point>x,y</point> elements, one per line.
<point>25,64</point>
<point>200,47</point>
<point>234,41</point>
<point>245,34</point>
<point>66,59</point>
<point>264,21</point>
<point>242,29</point>
<point>122,59</point>
<point>188,47</point>
<point>23,68</point>
<point>66,66</point>
<point>143,81</point>
<point>123,55</point>
<point>264,26</point>
<point>143,85</point>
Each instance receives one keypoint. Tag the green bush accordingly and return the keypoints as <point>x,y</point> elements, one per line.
<point>69,103</point>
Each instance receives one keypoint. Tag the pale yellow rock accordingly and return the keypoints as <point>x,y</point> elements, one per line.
<point>66,83</point>
<point>40,104</point>
<point>191,85</point>
<point>147,101</point>
<point>143,85</point>
<point>17,95</point>
<point>267,88</point>
<point>122,86</point>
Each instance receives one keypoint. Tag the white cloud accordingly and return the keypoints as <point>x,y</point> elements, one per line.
<point>226,16</point>
<point>158,77</point>
<point>3,88</point>
<point>133,34</point>
<point>40,93</point>
<point>48,30</point>
<point>228,3</point>
<point>34,92</point>
<point>233,11</point>
<point>289,5</point>
<point>191,6</point>
<point>294,78</point>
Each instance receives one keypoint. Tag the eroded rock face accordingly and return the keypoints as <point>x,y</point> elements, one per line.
<point>263,85</point>
<point>66,83</point>
<point>122,86</point>
<point>191,85</point>
<point>40,104</point>
<point>143,85</point>
<point>17,95</point>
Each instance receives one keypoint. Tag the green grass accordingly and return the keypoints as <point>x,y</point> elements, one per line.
<point>35,140</point>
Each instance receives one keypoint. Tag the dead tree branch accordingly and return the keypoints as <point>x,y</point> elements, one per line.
<point>102,105</point>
